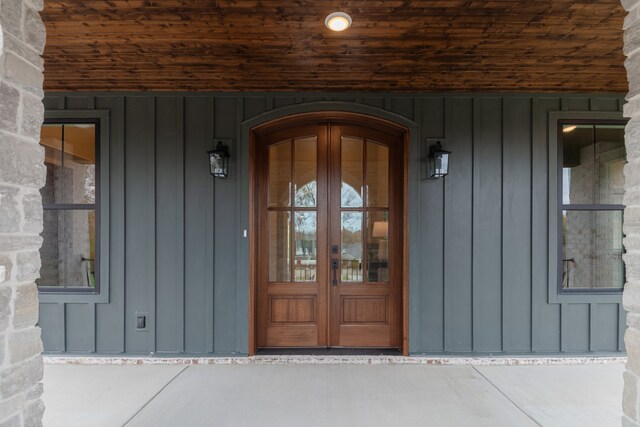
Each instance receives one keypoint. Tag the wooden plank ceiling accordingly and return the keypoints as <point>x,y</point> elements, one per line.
<point>264,45</point>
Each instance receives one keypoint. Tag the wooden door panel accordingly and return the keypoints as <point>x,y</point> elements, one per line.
<point>293,309</point>
<point>292,336</point>
<point>365,336</point>
<point>365,310</point>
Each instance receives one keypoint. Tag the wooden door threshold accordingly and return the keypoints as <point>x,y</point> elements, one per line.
<point>329,352</point>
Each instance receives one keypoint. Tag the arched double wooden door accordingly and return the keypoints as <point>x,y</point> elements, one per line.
<point>329,216</point>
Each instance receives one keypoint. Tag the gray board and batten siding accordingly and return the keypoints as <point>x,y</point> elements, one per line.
<point>479,240</point>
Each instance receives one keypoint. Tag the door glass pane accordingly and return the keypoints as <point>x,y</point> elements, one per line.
<point>305,247</point>
<point>593,158</point>
<point>306,171</point>
<point>68,249</point>
<point>279,246</point>
<point>351,165</point>
<point>592,249</point>
<point>351,267</point>
<point>280,174</point>
<point>377,246</point>
<point>377,175</point>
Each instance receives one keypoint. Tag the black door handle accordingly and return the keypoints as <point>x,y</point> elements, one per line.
<point>334,267</point>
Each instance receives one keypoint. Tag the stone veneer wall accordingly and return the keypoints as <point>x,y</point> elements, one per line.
<point>22,173</point>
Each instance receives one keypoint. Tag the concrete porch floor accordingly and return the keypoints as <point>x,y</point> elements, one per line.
<point>332,395</point>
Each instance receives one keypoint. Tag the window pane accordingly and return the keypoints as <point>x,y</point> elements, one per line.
<point>79,163</point>
<point>377,246</point>
<point>351,172</point>
<point>351,268</point>
<point>51,140</point>
<point>280,174</point>
<point>305,247</point>
<point>70,157</point>
<point>593,161</point>
<point>279,249</point>
<point>306,172</point>
<point>377,175</point>
<point>68,249</point>
<point>592,249</point>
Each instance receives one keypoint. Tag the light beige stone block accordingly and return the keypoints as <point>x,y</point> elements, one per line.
<point>24,344</point>
<point>17,378</point>
<point>630,395</point>
<point>25,306</point>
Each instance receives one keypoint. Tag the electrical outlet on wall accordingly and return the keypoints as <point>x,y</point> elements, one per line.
<point>142,319</point>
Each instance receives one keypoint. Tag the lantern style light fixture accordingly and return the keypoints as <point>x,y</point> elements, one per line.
<point>219,160</point>
<point>438,162</point>
<point>381,231</point>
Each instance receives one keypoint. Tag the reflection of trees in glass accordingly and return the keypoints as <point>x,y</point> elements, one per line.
<point>305,246</point>
<point>305,234</point>
<point>350,196</point>
<point>306,194</point>
<point>352,235</point>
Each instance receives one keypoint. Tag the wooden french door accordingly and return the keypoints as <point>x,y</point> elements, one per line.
<point>329,237</point>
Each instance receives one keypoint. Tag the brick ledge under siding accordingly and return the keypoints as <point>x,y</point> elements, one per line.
<point>334,360</point>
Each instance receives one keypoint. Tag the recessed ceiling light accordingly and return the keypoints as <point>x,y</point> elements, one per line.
<point>570,128</point>
<point>338,21</point>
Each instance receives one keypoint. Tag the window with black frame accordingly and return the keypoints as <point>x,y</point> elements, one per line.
<point>592,159</point>
<point>69,247</point>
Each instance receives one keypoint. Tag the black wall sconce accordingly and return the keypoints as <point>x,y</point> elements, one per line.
<point>219,159</point>
<point>438,161</point>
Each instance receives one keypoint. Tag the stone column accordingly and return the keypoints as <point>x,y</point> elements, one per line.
<point>22,173</point>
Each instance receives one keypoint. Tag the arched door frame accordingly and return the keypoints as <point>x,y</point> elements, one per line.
<point>343,112</point>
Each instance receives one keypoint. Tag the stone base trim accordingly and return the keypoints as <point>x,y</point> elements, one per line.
<point>335,360</point>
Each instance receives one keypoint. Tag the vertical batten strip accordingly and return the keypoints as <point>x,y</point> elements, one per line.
<point>458,256</point>
<point>545,316</point>
<point>62,331</point>
<point>151,182</point>
<point>124,224</point>
<point>473,124</point>
<point>92,327</point>
<point>564,333</point>
<point>502,287</point>
<point>429,265</point>
<point>622,324</point>
<point>210,234</point>
<point>445,116</point>
<point>181,218</point>
<point>448,113</point>
<point>487,235</point>
<point>532,103</point>
<point>593,312</point>
<point>242,248</point>
<point>516,224</point>
<point>536,119</point>
<point>413,289</point>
